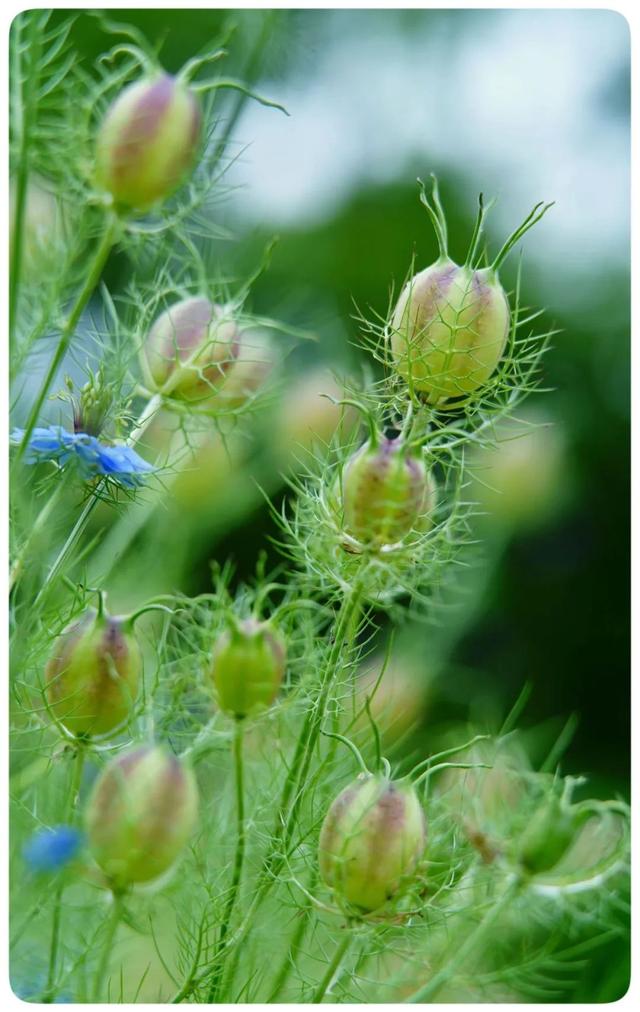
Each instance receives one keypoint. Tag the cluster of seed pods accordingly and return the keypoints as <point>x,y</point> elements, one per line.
<point>447,335</point>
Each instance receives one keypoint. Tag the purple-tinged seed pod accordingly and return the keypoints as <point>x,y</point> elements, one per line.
<point>147,141</point>
<point>248,666</point>
<point>140,815</point>
<point>372,840</point>
<point>449,329</point>
<point>190,348</point>
<point>92,675</point>
<point>386,491</point>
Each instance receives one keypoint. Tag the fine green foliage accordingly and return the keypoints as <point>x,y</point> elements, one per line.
<point>101,455</point>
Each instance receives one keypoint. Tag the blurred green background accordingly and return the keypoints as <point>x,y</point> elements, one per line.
<point>525,105</point>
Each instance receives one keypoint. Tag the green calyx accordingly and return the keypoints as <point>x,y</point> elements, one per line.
<point>248,666</point>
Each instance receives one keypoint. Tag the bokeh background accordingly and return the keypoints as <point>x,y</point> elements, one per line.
<point>523,105</point>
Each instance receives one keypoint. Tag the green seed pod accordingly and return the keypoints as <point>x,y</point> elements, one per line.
<point>371,840</point>
<point>140,815</point>
<point>248,667</point>
<point>386,491</point>
<point>449,329</point>
<point>92,675</point>
<point>548,837</point>
<point>190,348</point>
<point>147,141</point>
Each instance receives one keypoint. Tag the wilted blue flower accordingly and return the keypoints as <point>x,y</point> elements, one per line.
<point>120,463</point>
<point>51,849</point>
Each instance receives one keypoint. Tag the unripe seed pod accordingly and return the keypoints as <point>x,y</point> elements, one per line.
<point>141,814</point>
<point>147,141</point>
<point>371,840</point>
<point>92,674</point>
<point>548,836</point>
<point>190,347</point>
<point>385,491</point>
<point>248,667</point>
<point>449,329</point>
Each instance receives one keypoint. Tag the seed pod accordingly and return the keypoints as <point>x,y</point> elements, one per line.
<point>147,141</point>
<point>190,347</point>
<point>449,329</point>
<point>385,491</point>
<point>92,675</point>
<point>371,840</point>
<point>141,814</point>
<point>548,836</point>
<point>253,361</point>
<point>248,666</point>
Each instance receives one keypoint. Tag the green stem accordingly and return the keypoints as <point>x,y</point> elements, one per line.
<point>107,946</point>
<point>429,990</point>
<point>289,961</point>
<point>41,520</point>
<point>344,638</point>
<point>69,816</point>
<point>32,74</point>
<point>296,778</point>
<point>96,266</point>
<point>217,978</point>
<point>333,969</point>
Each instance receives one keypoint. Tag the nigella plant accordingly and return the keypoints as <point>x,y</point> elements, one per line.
<point>207,804</point>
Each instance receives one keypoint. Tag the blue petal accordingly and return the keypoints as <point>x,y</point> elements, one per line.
<point>124,463</point>
<point>52,443</point>
<point>50,849</point>
<point>94,458</point>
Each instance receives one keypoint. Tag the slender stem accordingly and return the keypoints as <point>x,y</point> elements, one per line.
<point>302,922</point>
<point>107,947</point>
<point>69,816</point>
<point>295,781</point>
<point>342,644</point>
<point>32,74</point>
<point>94,273</point>
<point>333,969</point>
<point>41,520</point>
<point>217,978</point>
<point>250,75</point>
<point>461,953</point>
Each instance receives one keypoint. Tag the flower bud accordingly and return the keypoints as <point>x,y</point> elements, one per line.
<point>371,840</point>
<point>385,492</point>
<point>147,141</point>
<point>190,347</point>
<point>92,674</point>
<point>141,814</point>
<point>449,329</point>
<point>548,836</point>
<point>248,666</point>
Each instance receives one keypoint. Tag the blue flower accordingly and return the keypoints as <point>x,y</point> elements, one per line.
<point>50,849</point>
<point>120,463</point>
